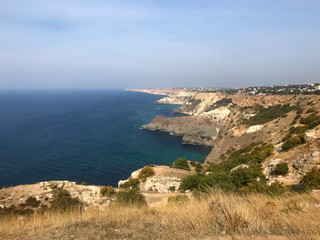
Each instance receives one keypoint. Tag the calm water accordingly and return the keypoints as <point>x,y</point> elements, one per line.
<point>91,136</point>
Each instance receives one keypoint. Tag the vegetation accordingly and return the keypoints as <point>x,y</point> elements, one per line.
<point>311,180</point>
<point>199,167</point>
<point>221,103</point>
<point>107,191</point>
<point>62,201</point>
<point>249,217</point>
<point>193,163</point>
<point>84,183</point>
<point>178,199</point>
<point>264,115</point>
<point>281,169</point>
<point>145,173</point>
<point>131,197</point>
<point>225,177</point>
<point>181,163</point>
<point>131,183</point>
<point>30,202</point>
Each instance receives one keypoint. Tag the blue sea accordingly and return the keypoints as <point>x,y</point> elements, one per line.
<point>77,135</point>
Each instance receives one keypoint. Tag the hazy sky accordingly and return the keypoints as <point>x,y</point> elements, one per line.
<point>164,43</point>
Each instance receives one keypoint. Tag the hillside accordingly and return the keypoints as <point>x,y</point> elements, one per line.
<point>232,122</point>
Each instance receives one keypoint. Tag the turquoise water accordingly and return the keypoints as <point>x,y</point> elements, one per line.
<point>91,136</point>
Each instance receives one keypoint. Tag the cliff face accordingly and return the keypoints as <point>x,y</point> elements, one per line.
<point>234,121</point>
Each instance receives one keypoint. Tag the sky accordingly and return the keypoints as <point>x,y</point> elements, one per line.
<point>164,43</point>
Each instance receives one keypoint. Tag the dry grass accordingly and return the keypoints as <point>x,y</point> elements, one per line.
<point>219,215</point>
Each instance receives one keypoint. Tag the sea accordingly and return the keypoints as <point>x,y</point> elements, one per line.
<point>83,135</point>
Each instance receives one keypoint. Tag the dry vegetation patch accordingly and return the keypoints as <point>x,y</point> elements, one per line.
<point>215,216</point>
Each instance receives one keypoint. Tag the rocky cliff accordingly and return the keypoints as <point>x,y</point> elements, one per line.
<point>228,122</point>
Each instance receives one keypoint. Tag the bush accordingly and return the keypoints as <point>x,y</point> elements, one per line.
<point>131,197</point>
<point>30,202</point>
<point>84,183</point>
<point>193,163</point>
<point>179,199</point>
<point>220,180</point>
<point>281,169</point>
<point>145,173</point>
<point>191,182</point>
<point>199,167</point>
<point>275,189</point>
<point>107,191</point>
<point>62,201</point>
<point>181,163</point>
<point>172,188</point>
<point>292,142</point>
<point>131,183</point>
<point>242,177</point>
<point>311,180</point>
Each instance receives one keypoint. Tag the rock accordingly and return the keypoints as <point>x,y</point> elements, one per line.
<point>161,184</point>
<point>240,166</point>
<point>254,128</point>
<point>312,134</point>
<point>305,163</point>
<point>122,182</point>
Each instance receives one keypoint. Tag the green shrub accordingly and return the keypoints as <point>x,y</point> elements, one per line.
<point>107,191</point>
<point>253,187</point>
<point>193,163</point>
<point>62,201</point>
<point>219,180</point>
<point>131,197</point>
<point>311,180</point>
<point>281,169</point>
<point>84,183</point>
<point>181,163</point>
<point>220,103</point>
<point>312,121</point>
<point>191,182</point>
<point>292,142</point>
<point>145,173</point>
<point>242,177</point>
<point>131,183</point>
<point>275,189</point>
<point>172,188</point>
<point>179,199</point>
<point>264,115</point>
<point>199,167</point>
<point>31,202</point>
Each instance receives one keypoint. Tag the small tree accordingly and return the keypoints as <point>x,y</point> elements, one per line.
<point>131,183</point>
<point>145,173</point>
<point>281,169</point>
<point>199,167</point>
<point>181,163</point>
<point>62,201</point>
<point>311,180</point>
<point>131,197</point>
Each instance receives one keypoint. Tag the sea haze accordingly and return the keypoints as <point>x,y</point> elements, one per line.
<point>91,136</point>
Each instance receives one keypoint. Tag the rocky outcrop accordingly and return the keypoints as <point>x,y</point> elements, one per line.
<point>196,129</point>
<point>164,180</point>
<point>89,195</point>
<point>305,163</point>
<point>254,128</point>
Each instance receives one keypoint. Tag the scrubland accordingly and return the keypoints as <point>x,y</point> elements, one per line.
<point>215,215</point>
